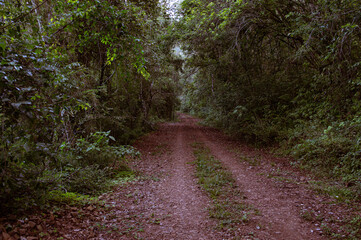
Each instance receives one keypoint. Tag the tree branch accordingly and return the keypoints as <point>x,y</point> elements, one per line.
<point>24,15</point>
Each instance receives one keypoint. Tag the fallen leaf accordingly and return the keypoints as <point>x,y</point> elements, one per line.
<point>52,218</point>
<point>90,208</point>
<point>40,228</point>
<point>32,224</point>
<point>32,238</point>
<point>6,236</point>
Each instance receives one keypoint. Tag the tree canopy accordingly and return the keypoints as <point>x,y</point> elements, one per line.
<point>279,71</point>
<point>78,79</point>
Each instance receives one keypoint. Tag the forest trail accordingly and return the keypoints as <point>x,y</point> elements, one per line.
<point>181,205</point>
<point>165,201</point>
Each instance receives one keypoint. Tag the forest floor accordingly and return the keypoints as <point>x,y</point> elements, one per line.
<point>167,201</point>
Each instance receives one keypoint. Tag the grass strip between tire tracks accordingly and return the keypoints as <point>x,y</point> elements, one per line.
<point>227,206</point>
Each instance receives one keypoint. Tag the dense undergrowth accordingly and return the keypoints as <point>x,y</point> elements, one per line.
<point>79,81</point>
<point>280,73</point>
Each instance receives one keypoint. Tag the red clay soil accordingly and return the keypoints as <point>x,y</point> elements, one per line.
<point>166,201</point>
<point>280,216</point>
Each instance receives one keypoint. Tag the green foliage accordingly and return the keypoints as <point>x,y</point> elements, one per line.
<point>68,197</point>
<point>85,168</point>
<point>71,73</point>
<point>335,151</point>
<point>95,150</point>
<point>278,72</point>
<point>87,180</point>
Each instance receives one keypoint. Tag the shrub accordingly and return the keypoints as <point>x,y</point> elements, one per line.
<point>37,169</point>
<point>87,180</point>
<point>334,150</point>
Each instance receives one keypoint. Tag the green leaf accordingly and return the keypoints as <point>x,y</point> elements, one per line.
<point>2,45</point>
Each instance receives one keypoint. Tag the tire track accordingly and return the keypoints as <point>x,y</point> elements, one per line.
<point>280,218</point>
<point>178,195</point>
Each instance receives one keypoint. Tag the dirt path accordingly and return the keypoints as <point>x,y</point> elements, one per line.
<point>166,202</point>
<point>280,216</point>
<point>178,193</point>
<point>183,201</point>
